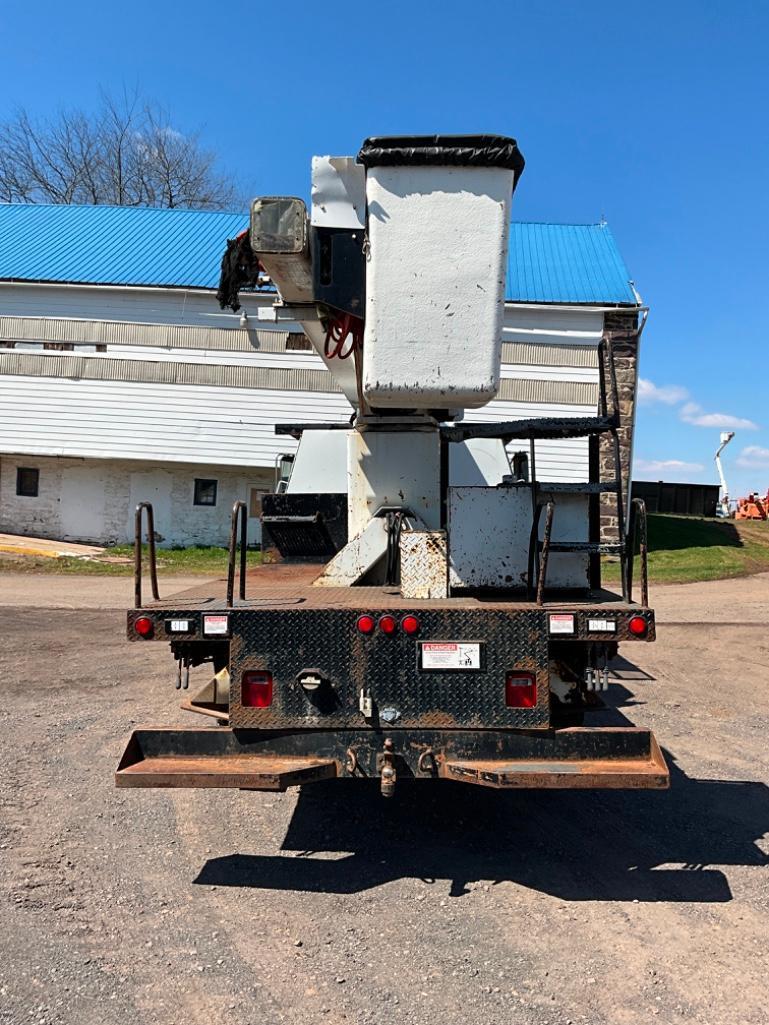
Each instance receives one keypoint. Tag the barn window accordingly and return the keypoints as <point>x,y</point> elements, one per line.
<point>255,497</point>
<point>298,342</point>
<point>27,481</point>
<point>205,491</point>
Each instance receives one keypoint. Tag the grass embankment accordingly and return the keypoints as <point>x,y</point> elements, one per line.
<point>118,561</point>
<point>683,549</point>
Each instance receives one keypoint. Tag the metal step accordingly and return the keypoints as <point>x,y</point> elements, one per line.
<point>212,758</point>
<point>645,770</point>
<point>589,547</point>
<point>545,428</point>
<point>582,488</point>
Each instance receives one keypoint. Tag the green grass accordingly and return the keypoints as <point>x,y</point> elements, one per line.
<point>688,548</point>
<point>118,561</point>
<point>681,549</point>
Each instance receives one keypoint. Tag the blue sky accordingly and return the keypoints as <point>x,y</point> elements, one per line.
<point>652,115</point>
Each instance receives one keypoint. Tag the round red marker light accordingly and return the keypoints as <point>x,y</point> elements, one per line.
<point>366,624</point>
<point>144,626</point>
<point>638,626</point>
<point>388,625</point>
<point>410,625</point>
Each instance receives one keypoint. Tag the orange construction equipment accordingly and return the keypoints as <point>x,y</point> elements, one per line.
<point>753,507</point>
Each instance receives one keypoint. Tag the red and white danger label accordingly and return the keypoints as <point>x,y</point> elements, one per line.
<point>451,655</point>
<point>215,625</point>
<point>561,623</point>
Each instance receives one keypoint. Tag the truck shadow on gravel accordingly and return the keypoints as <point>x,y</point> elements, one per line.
<point>578,846</point>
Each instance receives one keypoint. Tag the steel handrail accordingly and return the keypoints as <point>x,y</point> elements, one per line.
<point>549,510</point>
<point>638,518</point>
<point>239,512</point>
<point>140,508</point>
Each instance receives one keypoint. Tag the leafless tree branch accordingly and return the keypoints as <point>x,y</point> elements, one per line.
<point>126,153</point>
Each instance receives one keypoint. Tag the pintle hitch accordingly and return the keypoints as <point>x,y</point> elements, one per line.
<point>389,775</point>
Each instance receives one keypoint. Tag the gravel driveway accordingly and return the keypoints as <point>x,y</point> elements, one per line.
<point>449,904</point>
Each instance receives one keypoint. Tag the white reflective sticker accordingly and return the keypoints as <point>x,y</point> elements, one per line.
<point>215,625</point>
<point>179,626</point>
<point>598,626</point>
<point>451,655</point>
<point>561,623</point>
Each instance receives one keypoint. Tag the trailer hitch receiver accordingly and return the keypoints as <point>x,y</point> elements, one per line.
<point>389,774</point>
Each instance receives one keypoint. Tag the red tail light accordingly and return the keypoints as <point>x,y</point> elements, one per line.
<point>638,626</point>
<point>388,624</point>
<point>144,626</point>
<point>366,624</point>
<point>521,690</point>
<point>256,690</point>
<point>410,625</point>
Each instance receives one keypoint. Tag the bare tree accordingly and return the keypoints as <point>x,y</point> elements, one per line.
<point>126,153</point>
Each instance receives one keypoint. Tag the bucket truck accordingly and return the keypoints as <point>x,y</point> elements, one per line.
<point>435,615</point>
<point>723,503</point>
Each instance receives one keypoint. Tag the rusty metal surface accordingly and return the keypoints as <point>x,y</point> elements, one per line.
<point>607,773</point>
<point>309,527</point>
<point>274,585</point>
<point>144,507</point>
<point>288,641</point>
<point>577,757</point>
<point>638,531</point>
<point>534,429</point>
<point>239,514</point>
<point>376,600</point>
<point>424,564</point>
<point>247,771</point>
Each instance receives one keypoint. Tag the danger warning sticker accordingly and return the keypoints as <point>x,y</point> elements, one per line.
<point>451,655</point>
<point>562,623</point>
<point>213,625</point>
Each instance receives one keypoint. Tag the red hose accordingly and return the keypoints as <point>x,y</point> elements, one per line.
<point>337,332</point>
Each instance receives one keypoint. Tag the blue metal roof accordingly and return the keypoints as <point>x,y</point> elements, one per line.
<point>109,245</point>
<point>566,263</point>
<point>114,245</point>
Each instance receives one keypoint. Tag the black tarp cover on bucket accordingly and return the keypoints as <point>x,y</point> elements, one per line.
<point>442,151</point>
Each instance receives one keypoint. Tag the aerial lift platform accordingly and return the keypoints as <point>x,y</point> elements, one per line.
<point>435,615</point>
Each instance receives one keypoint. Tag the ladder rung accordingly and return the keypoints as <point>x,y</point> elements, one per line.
<point>591,547</point>
<point>581,488</point>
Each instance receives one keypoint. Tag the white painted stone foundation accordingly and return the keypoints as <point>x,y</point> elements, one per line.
<point>94,500</point>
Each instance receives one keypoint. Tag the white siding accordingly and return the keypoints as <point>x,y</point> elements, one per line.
<point>177,423</point>
<point>234,426</point>
<point>557,461</point>
<point>131,305</point>
<point>551,325</point>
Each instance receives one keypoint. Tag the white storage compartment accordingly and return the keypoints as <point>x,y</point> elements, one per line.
<point>489,531</point>
<point>438,223</point>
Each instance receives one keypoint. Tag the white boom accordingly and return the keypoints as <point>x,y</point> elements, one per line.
<point>726,437</point>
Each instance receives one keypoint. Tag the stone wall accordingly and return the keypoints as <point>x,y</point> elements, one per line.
<point>621,332</point>
<point>95,499</point>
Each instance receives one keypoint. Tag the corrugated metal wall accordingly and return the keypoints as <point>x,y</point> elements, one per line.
<point>180,381</point>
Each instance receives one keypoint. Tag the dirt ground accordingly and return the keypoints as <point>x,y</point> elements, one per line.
<point>448,904</point>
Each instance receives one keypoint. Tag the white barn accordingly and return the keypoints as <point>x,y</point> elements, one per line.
<point>121,379</point>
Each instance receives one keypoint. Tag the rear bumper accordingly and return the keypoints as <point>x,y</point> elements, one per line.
<point>579,758</point>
